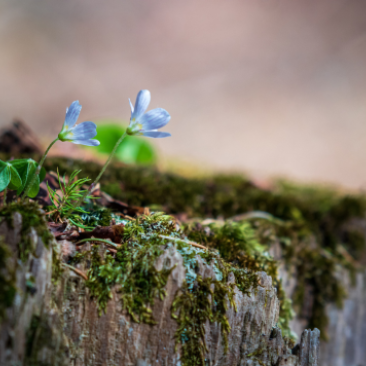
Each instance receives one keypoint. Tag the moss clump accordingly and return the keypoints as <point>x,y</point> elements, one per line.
<point>42,335</point>
<point>96,216</point>
<point>132,269</point>
<point>207,300</point>
<point>239,245</point>
<point>308,214</point>
<point>7,280</point>
<point>317,271</point>
<point>32,217</point>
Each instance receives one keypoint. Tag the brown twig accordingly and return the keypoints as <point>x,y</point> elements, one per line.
<point>77,271</point>
<point>130,218</point>
<point>108,242</point>
<point>194,244</point>
<point>49,213</point>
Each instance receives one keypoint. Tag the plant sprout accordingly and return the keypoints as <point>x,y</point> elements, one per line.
<point>141,124</point>
<point>82,134</point>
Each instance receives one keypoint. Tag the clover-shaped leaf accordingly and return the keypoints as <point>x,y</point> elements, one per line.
<point>9,176</point>
<point>26,168</point>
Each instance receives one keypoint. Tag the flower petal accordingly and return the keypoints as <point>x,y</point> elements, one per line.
<point>142,102</point>
<point>132,108</point>
<point>72,114</point>
<point>84,131</point>
<point>86,142</point>
<point>156,134</point>
<point>154,119</point>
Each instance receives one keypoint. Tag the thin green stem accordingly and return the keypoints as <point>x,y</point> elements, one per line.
<point>109,158</point>
<point>103,169</point>
<point>36,173</point>
<point>4,197</point>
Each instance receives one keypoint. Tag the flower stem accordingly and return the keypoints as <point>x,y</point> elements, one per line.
<point>4,196</point>
<point>36,173</point>
<point>104,168</point>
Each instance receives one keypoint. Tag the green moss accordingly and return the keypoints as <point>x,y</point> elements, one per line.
<point>320,211</point>
<point>316,270</point>
<point>132,269</point>
<point>133,274</point>
<point>42,334</point>
<point>307,221</point>
<point>7,280</point>
<point>192,309</point>
<point>239,244</point>
<point>32,217</point>
<point>96,216</point>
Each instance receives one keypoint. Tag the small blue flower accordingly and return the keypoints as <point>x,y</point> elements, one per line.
<point>147,124</point>
<point>80,134</point>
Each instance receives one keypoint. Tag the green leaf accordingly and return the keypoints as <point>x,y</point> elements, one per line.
<point>4,176</point>
<point>15,179</point>
<point>42,174</point>
<point>133,149</point>
<point>34,189</point>
<point>26,169</point>
<point>22,167</point>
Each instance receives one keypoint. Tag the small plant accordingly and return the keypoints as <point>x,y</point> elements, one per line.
<point>64,205</point>
<point>25,175</point>
<point>16,175</point>
<point>81,134</point>
<point>141,124</point>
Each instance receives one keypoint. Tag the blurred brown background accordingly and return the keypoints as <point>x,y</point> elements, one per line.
<point>271,87</point>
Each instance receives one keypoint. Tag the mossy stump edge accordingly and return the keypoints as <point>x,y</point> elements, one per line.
<point>54,321</point>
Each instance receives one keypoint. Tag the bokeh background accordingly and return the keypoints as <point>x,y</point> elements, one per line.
<point>268,87</point>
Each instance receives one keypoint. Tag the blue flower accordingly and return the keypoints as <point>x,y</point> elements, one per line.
<point>147,124</point>
<point>80,134</point>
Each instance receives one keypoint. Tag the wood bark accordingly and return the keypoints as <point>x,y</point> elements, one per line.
<point>347,325</point>
<point>58,323</point>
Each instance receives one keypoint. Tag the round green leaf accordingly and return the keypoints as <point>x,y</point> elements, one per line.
<point>133,149</point>
<point>15,179</point>
<point>4,177</point>
<point>22,167</point>
<point>26,169</point>
<point>33,191</point>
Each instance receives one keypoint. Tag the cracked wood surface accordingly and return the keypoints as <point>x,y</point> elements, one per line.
<point>69,330</point>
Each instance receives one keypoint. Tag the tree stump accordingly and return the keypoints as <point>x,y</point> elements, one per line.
<point>56,322</point>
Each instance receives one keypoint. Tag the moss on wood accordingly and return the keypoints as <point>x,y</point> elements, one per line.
<point>32,217</point>
<point>7,279</point>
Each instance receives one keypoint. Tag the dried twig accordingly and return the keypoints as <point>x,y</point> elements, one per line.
<point>77,271</point>
<point>105,241</point>
<point>130,218</point>
<point>194,244</point>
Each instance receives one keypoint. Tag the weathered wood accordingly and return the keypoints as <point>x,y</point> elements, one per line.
<point>19,139</point>
<point>58,324</point>
<point>347,325</point>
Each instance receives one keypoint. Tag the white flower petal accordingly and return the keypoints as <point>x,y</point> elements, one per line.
<point>84,131</point>
<point>72,114</point>
<point>154,119</point>
<point>156,134</point>
<point>142,102</point>
<point>86,142</point>
<point>132,109</point>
